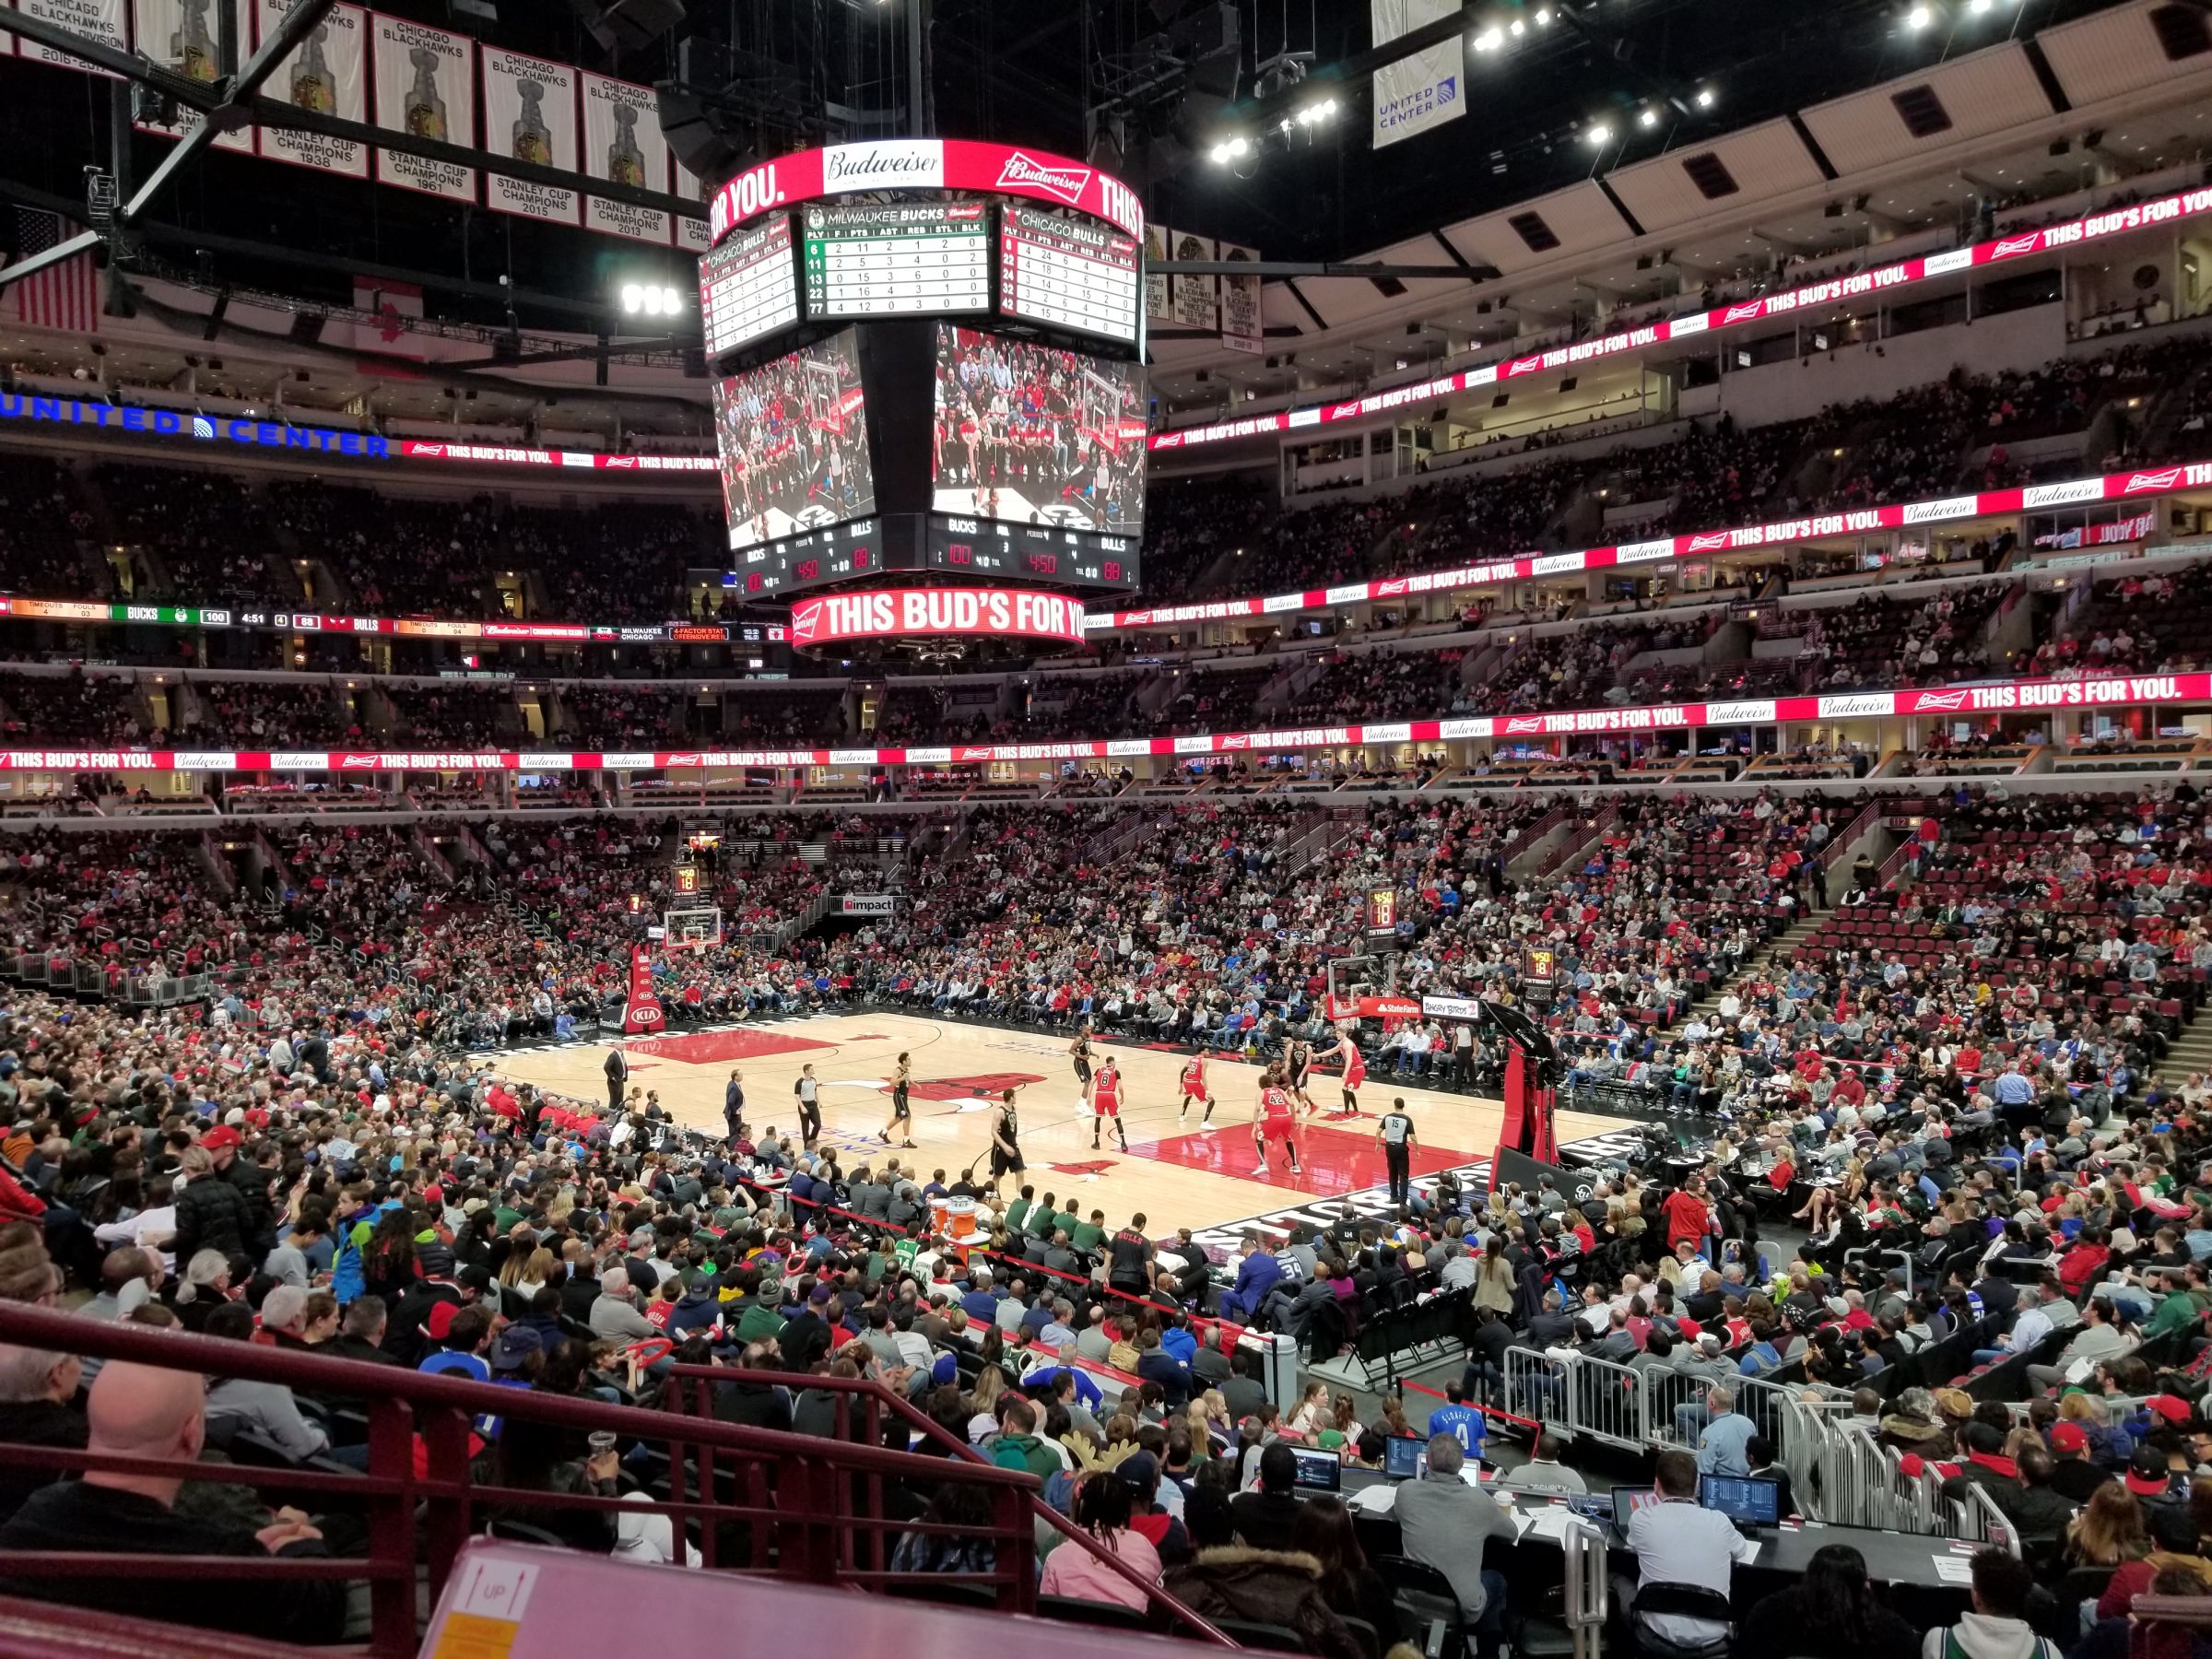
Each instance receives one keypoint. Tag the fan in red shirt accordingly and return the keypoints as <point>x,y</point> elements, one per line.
<point>1689,1217</point>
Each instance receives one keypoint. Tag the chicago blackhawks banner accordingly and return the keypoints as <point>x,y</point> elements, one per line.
<point>530,114</point>
<point>642,1011</point>
<point>101,21</point>
<point>622,144</point>
<point>182,35</point>
<point>692,234</point>
<point>426,85</point>
<point>327,72</point>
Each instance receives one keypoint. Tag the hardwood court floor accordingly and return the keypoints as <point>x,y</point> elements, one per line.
<point>1176,1175</point>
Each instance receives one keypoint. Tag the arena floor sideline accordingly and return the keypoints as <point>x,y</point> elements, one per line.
<point>1174,1172</point>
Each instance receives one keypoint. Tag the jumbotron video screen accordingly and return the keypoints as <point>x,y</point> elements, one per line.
<point>1032,434</point>
<point>793,440</point>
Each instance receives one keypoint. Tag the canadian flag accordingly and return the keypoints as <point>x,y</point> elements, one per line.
<point>642,1011</point>
<point>386,308</point>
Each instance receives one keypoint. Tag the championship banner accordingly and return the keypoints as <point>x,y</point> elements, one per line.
<point>181,35</point>
<point>623,144</point>
<point>642,1011</point>
<point>426,85</point>
<point>1191,300</point>
<point>865,904</point>
<point>530,114</point>
<point>327,72</point>
<point>101,21</point>
<point>1242,329</point>
<point>692,234</point>
<point>1158,306</point>
<point>1420,92</point>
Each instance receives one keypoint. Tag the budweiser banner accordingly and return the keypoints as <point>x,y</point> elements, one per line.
<point>622,144</point>
<point>181,35</point>
<point>1421,90</point>
<point>642,1012</point>
<point>101,21</point>
<point>907,612</point>
<point>327,72</point>
<point>426,85</point>
<point>530,114</point>
<point>1241,326</point>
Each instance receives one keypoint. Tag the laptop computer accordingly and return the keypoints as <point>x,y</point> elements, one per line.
<point>1627,1500</point>
<point>1404,1458</point>
<point>1318,1471</point>
<point>1752,1503</point>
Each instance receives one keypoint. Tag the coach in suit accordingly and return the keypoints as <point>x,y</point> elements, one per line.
<point>617,1077</point>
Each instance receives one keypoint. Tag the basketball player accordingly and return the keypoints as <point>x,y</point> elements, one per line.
<point>1354,1072</point>
<point>1194,1089</point>
<point>1298,1059</point>
<point>1005,1145</point>
<point>1272,1115</point>
<point>900,1111</point>
<point>1106,1102</point>
<point>1079,1052</point>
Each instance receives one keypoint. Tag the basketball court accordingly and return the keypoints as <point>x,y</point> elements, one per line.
<point>1177,1174</point>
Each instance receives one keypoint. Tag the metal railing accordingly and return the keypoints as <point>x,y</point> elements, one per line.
<point>800,1506</point>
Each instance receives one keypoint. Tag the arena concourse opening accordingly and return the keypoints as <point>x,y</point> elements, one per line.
<point>1370,830</point>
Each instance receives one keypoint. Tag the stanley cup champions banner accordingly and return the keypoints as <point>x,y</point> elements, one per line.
<point>101,21</point>
<point>426,85</point>
<point>623,144</point>
<point>530,114</point>
<point>692,234</point>
<point>1241,327</point>
<point>327,72</point>
<point>1422,90</point>
<point>183,35</point>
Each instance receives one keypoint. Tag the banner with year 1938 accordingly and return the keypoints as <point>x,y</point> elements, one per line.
<point>327,73</point>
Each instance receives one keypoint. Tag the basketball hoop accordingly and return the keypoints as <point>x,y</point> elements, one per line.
<point>696,928</point>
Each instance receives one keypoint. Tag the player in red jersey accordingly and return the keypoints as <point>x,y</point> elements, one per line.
<point>1194,1089</point>
<point>1274,1115</point>
<point>1106,1102</point>
<point>1354,1072</point>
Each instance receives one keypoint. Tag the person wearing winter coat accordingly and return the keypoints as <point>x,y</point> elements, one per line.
<point>1265,1587</point>
<point>211,1212</point>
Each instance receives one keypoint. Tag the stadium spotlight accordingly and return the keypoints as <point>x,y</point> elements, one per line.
<point>1978,7</point>
<point>1648,118</point>
<point>1230,149</point>
<point>650,298</point>
<point>1705,99</point>
<point>1919,18</point>
<point>1597,132</point>
<point>1544,16</point>
<point>1490,39</point>
<point>1320,110</point>
<point>1520,28</point>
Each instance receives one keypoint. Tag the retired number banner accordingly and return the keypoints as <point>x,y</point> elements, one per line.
<point>426,85</point>
<point>327,72</point>
<point>530,114</point>
<point>622,144</point>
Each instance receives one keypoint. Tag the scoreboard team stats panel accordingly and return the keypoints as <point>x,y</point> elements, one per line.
<point>1069,274</point>
<point>747,287</point>
<point>907,260</point>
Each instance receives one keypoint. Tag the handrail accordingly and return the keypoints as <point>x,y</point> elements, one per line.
<point>830,1489</point>
<point>877,1395</point>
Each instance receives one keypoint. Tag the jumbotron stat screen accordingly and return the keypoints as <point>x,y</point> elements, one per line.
<point>793,440</point>
<point>901,260</point>
<point>1032,434</point>
<point>1068,273</point>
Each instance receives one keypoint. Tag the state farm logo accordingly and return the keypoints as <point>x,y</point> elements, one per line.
<point>357,762</point>
<point>2155,480</point>
<point>1743,313</point>
<point>2010,246</point>
<point>805,620</point>
<point>1525,723</point>
<point>1940,703</point>
<point>1066,182</point>
<point>1710,543</point>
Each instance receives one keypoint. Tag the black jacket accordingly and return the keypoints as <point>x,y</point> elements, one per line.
<point>1265,1587</point>
<point>212,1214</point>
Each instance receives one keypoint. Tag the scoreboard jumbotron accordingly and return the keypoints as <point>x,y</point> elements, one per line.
<point>927,357</point>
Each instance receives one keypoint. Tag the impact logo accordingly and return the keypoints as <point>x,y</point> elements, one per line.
<point>1066,182</point>
<point>2155,480</point>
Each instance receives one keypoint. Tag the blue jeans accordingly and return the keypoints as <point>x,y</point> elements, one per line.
<point>1983,1356</point>
<point>1492,1622</point>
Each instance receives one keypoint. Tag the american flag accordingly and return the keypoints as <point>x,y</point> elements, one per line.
<point>65,296</point>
